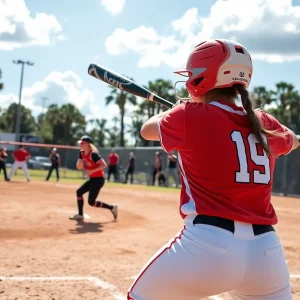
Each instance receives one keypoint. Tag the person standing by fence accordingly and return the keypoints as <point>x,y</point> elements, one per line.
<point>130,167</point>
<point>172,169</point>
<point>3,157</point>
<point>54,157</point>
<point>113,160</point>
<point>20,157</point>
<point>157,171</point>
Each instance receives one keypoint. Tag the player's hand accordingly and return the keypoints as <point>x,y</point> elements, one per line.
<point>182,100</point>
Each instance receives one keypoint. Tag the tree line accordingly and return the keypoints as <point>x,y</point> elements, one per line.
<point>65,124</point>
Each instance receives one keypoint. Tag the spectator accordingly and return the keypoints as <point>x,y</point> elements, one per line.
<point>130,167</point>
<point>54,157</point>
<point>158,170</point>
<point>3,157</point>
<point>20,157</point>
<point>113,160</point>
<point>172,168</point>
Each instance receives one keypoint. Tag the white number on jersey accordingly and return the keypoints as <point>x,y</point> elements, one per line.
<point>243,175</point>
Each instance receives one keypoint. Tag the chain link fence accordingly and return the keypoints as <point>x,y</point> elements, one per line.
<point>286,175</point>
<point>144,163</point>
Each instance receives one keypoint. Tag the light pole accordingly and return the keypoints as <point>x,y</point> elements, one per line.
<point>18,122</point>
<point>44,99</point>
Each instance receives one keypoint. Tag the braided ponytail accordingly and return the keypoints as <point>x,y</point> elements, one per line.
<point>253,120</point>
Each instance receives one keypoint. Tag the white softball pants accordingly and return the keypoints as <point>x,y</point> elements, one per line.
<point>205,260</point>
<point>19,164</point>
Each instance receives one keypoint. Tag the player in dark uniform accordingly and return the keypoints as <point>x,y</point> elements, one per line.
<point>130,167</point>
<point>55,163</point>
<point>93,164</point>
<point>3,157</point>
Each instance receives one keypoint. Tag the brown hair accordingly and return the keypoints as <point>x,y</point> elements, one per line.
<point>94,148</point>
<point>254,122</point>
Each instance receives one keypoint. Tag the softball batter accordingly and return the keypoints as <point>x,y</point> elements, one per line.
<point>93,164</point>
<point>226,157</point>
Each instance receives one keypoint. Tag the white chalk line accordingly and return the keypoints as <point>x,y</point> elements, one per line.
<point>117,295</point>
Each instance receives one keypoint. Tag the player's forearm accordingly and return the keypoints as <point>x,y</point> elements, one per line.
<point>99,168</point>
<point>102,165</point>
<point>79,164</point>
<point>149,130</point>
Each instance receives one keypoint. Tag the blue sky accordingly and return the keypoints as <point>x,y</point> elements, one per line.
<point>141,39</point>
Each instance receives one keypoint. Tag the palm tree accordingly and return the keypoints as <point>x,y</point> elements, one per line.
<point>164,89</point>
<point>120,98</point>
<point>9,117</point>
<point>262,97</point>
<point>99,132</point>
<point>135,127</point>
<point>68,124</point>
<point>287,100</point>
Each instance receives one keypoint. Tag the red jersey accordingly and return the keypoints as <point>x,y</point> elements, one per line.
<point>21,154</point>
<point>113,159</point>
<point>224,171</point>
<point>90,162</point>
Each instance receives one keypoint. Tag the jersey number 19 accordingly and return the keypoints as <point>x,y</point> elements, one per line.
<point>243,174</point>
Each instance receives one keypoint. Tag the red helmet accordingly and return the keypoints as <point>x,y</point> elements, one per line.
<point>217,64</point>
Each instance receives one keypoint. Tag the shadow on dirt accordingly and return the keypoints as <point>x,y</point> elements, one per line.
<point>86,227</point>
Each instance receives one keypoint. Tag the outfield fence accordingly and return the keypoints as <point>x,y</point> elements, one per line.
<point>286,175</point>
<point>143,166</point>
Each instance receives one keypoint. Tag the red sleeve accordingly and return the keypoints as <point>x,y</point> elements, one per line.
<point>171,129</point>
<point>283,143</point>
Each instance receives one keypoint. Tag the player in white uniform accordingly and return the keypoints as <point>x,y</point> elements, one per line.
<point>20,157</point>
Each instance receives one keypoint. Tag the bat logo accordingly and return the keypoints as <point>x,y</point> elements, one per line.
<point>114,82</point>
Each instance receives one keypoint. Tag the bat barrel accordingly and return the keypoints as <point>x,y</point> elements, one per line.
<point>124,84</point>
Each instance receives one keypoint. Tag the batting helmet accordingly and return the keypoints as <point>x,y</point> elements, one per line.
<point>217,63</point>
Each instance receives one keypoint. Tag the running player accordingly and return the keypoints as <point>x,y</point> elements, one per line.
<point>226,157</point>
<point>20,157</point>
<point>93,164</point>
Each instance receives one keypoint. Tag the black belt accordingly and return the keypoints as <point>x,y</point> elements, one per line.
<point>229,224</point>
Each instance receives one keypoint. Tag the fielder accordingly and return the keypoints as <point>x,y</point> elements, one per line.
<point>3,157</point>
<point>226,157</point>
<point>93,164</point>
<point>20,157</point>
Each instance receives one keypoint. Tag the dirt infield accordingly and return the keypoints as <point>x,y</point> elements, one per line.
<point>45,256</point>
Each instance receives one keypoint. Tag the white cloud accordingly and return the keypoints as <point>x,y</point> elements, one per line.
<point>269,29</point>
<point>113,6</point>
<point>187,23</point>
<point>19,29</point>
<point>59,88</point>
<point>143,40</point>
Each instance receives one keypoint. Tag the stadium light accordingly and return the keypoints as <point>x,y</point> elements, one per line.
<point>18,123</point>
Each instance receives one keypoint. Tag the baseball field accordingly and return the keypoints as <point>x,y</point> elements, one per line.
<point>46,256</point>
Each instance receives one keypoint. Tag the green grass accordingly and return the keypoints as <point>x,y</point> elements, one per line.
<point>75,177</point>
